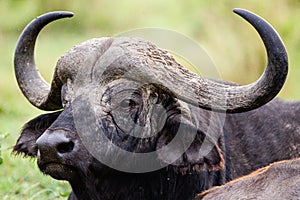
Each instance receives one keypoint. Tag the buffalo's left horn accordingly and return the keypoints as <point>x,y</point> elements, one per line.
<point>214,95</point>
<point>33,86</point>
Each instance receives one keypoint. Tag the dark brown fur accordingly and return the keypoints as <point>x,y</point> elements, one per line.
<point>250,140</point>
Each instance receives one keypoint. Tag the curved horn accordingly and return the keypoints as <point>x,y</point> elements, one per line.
<point>33,86</point>
<point>216,96</point>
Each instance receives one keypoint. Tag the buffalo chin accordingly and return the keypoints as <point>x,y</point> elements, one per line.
<point>58,171</point>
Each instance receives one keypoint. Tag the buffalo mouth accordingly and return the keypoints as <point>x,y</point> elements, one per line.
<point>56,170</point>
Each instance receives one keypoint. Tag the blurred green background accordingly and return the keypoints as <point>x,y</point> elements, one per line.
<point>233,45</point>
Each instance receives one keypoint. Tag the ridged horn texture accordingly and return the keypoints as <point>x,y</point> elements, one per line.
<point>222,97</point>
<point>36,90</point>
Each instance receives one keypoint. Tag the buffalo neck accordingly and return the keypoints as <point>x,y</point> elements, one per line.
<point>162,184</point>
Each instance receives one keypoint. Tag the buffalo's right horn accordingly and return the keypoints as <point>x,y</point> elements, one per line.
<point>36,90</point>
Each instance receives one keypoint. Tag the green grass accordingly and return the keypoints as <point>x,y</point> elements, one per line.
<point>232,44</point>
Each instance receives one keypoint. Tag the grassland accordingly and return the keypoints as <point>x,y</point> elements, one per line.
<point>233,46</point>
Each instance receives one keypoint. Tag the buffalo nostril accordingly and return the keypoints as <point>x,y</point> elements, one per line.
<point>65,147</point>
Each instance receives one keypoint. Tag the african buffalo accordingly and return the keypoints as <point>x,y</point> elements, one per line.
<point>119,100</point>
<point>279,180</point>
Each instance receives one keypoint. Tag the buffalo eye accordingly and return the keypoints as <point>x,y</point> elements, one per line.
<point>129,103</point>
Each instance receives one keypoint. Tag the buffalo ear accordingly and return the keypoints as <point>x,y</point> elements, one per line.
<point>31,131</point>
<point>202,154</point>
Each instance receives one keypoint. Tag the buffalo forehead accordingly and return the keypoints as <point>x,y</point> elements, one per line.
<point>87,54</point>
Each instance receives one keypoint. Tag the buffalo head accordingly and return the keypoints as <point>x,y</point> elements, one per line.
<point>138,97</point>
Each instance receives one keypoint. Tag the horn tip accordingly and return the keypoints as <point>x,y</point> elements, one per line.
<point>63,14</point>
<point>235,10</point>
<point>67,13</point>
<point>54,15</point>
<point>242,12</point>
